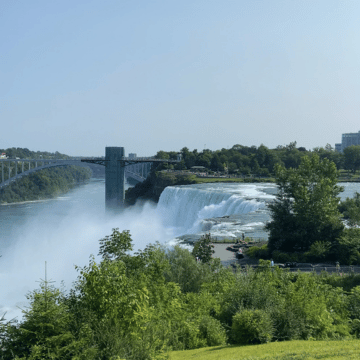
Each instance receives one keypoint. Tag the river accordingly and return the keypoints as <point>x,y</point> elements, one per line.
<point>65,231</point>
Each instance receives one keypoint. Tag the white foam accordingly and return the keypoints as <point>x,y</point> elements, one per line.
<point>184,208</point>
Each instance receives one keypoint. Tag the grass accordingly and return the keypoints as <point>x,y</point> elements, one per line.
<point>347,176</point>
<point>287,350</point>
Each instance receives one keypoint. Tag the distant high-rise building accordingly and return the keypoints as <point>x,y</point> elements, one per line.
<point>132,156</point>
<point>348,139</point>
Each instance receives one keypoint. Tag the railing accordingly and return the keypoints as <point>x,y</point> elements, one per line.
<point>341,270</point>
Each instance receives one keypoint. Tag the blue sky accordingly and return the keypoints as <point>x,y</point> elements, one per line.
<point>76,76</point>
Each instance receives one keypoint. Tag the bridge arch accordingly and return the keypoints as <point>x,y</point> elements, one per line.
<point>129,173</point>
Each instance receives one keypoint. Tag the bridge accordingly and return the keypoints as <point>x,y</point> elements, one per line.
<point>115,163</point>
<point>13,169</point>
<point>117,167</point>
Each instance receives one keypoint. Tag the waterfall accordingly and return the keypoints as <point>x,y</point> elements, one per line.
<point>186,208</point>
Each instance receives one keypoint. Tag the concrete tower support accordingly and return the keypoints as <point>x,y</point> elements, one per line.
<point>114,178</point>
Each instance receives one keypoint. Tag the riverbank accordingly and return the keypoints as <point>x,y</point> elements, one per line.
<point>44,184</point>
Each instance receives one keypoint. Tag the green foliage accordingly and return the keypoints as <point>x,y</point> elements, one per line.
<point>354,303</point>
<point>45,331</point>
<point>348,247</point>
<point>251,327</point>
<point>212,330</point>
<point>306,207</point>
<point>44,184</point>
<point>300,305</point>
<point>116,245</point>
<point>350,208</point>
<point>154,184</point>
<point>284,257</point>
<point>319,251</point>
<point>258,252</point>
<point>24,153</point>
<point>185,271</point>
<point>203,249</point>
<point>352,157</point>
<point>142,305</point>
<point>354,310</point>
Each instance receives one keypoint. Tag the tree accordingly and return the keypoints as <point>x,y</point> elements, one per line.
<point>350,208</point>
<point>216,164</point>
<point>203,249</point>
<point>116,245</point>
<point>45,332</point>
<point>306,206</point>
<point>162,155</point>
<point>352,157</point>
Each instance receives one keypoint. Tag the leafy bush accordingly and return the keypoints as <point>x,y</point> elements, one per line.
<point>256,252</point>
<point>284,257</point>
<point>212,330</point>
<point>354,303</point>
<point>347,250</point>
<point>319,251</point>
<point>251,327</point>
<point>350,208</point>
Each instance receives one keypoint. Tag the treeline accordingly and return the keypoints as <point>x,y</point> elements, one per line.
<point>140,306</point>
<point>245,160</point>
<point>44,184</point>
<point>24,153</point>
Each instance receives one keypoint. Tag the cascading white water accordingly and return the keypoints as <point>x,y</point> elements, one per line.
<point>185,208</point>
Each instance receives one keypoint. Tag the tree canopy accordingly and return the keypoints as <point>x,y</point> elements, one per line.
<point>306,207</point>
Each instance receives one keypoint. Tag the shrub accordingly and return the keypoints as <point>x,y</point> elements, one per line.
<point>251,327</point>
<point>348,248</point>
<point>354,303</point>
<point>284,257</point>
<point>256,252</point>
<point>212,330</point>
<point>319,251</point>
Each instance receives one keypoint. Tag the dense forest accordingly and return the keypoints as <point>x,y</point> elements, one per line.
<point>44,184</point>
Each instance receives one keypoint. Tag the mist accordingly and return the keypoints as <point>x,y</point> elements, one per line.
<point>65,232</point>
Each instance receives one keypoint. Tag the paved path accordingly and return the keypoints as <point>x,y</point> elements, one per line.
<point>227,257</point>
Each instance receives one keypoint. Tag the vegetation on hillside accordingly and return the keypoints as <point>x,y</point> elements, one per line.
<point>24,153</point>
<point>142,305</point>
<point>44,184</point>
<point>156,182</point>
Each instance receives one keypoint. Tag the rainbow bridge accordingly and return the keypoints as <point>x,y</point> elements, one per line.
<point>117,168</point>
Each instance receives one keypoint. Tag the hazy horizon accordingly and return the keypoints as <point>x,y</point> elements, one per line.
<point>159,75</point>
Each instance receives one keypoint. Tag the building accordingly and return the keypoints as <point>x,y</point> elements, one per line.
<point>348,139</point>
